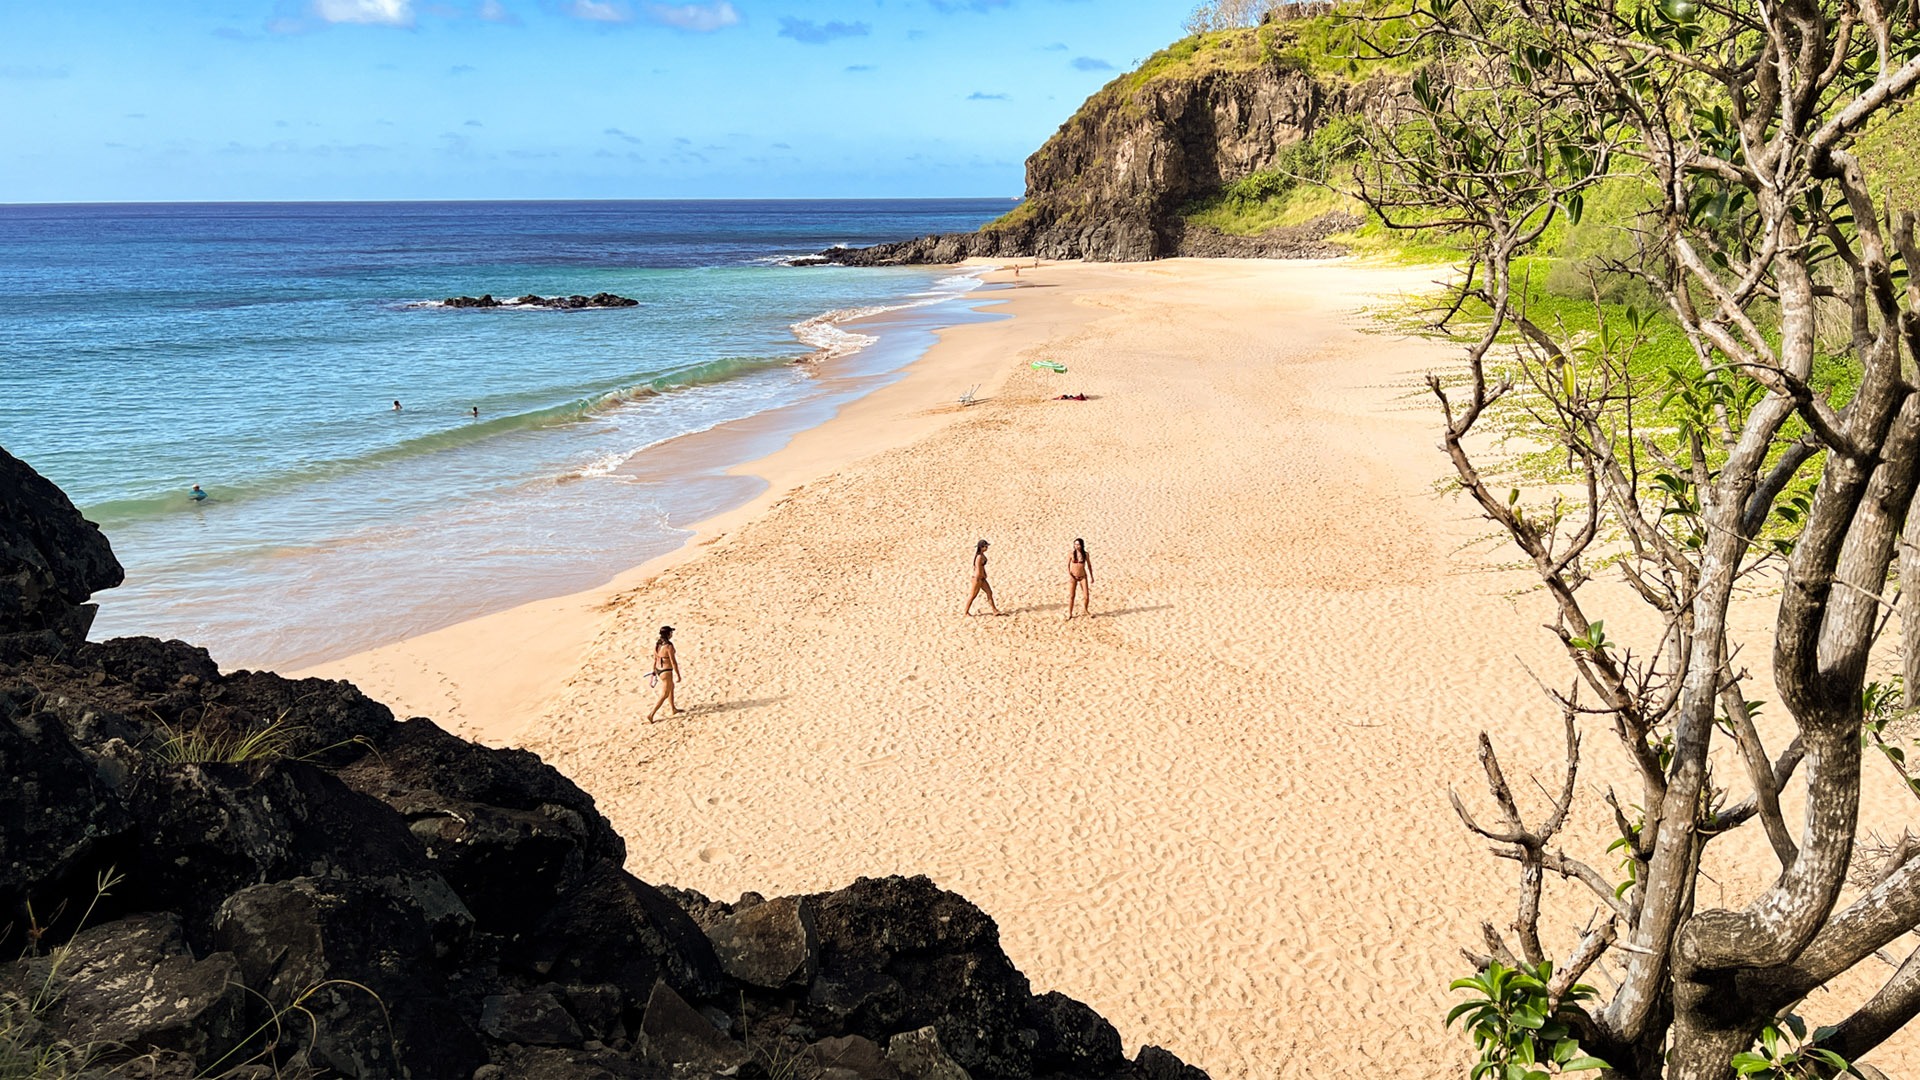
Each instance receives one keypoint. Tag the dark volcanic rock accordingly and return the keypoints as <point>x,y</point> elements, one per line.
<point>672,1033</point>
<point>537,1019</point>
<point>1153,1063</point>
<point>918,1055</point>
<point>208,831</point>
<point>898,954</point>
<point>51,558</point>
<point>549,1063</point>
<point>59,816</point>
<point>768,945</point>
<point>615,928</point>
<point>359,957</point>
<point>575,302</point>
<point>355,897</point>
<point>1072,1038</point>
<point>508,832</point>
<point>862,1058</point>
<point>133,986</point>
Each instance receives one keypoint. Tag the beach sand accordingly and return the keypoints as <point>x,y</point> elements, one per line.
<point>1216,811</point>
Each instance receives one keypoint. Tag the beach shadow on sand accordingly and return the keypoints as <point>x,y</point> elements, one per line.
<point>714,709</point>
<point>1097,614</point>
<point>1132,611</point>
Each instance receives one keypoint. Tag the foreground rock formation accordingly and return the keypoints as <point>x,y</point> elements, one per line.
<point>1110,185</point>
<point>210,874</point>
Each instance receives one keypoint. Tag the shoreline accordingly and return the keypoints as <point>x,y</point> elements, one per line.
<point>1217,811</point>
<point>484,677</point>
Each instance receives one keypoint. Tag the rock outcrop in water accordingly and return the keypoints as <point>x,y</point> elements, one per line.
<point>1110,185</point>
<point>565,303</point>
<point>210,874</point>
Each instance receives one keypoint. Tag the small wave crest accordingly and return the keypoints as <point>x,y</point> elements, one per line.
<point>464,434</point>
<point>825,334</point>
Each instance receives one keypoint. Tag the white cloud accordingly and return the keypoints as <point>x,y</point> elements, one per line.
<point>700,18</point>
<point>495,11</point>
<point>605,11</point>
<point>375,12</point>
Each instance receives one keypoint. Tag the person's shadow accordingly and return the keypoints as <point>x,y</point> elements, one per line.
<point>717,707</point>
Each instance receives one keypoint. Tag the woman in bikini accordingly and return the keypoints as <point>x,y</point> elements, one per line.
<point>1079,578</point>
<point>666,671</point>
<point>980,579</point>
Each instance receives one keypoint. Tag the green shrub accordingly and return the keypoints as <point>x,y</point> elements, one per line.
<point>1520,1032</point>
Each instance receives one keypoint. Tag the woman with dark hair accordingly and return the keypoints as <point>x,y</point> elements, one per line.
<point>666,671</point>
<point>980,579</point>
<point>1079,578</point>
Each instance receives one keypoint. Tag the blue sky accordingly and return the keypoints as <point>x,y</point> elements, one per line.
<point>133,100</point>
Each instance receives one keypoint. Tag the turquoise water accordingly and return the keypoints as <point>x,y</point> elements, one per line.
<point>257,350</point>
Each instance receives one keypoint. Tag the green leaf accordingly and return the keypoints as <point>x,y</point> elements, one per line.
<point>1583,1063</point>
<point>1464,1007</point>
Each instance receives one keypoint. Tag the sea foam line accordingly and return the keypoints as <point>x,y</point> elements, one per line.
<point>823,332</point>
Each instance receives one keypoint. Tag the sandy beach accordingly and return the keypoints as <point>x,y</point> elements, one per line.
<point>1217,810</point>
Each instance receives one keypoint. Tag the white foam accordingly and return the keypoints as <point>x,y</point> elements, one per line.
<point>830,342</point>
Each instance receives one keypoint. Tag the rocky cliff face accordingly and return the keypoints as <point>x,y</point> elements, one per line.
<point>1110,183</point>
<point>352,896</point>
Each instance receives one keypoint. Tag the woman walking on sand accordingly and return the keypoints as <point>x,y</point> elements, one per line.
<point>980,579</point>
<point>666,671</point>
<point>1079,578</point>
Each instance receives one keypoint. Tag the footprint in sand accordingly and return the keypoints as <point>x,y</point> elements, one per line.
<point>713,855</point>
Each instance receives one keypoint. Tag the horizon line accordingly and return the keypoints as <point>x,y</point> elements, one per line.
<point>398,202</point>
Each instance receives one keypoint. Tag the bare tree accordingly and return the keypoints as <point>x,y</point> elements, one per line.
<point>1214,15</point>
<point>1736,119</point>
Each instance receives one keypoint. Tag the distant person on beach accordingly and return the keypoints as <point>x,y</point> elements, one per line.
<point>1079,578</point>
<point>196,494</point>
<point>980,579</point>
<point>666,671</point>
<point>396,406</point>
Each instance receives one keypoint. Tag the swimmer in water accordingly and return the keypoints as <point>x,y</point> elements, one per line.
<point>396,406</point>
<point>476,412</point>
<point>196,494</point>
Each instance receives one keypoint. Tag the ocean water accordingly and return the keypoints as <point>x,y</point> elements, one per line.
<point>257,350</point>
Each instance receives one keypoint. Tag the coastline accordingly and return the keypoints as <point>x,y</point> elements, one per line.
<point>484,677</point>
<point>1217,812</point>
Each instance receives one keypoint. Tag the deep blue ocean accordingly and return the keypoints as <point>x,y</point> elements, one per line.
<point>257,350</point>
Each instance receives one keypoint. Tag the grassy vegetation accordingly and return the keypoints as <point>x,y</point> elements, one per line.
<point>1326,46</point>
<point>1890,150</point>
<point>1020,213</point>
<point>1286,194</point>
<point>26,1051</point>
<point>1238,216</point>
<point>197,746</point>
